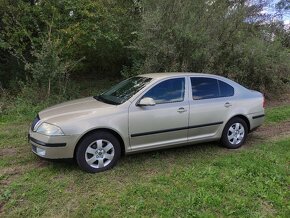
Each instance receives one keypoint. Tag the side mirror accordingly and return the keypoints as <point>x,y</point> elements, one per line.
<point>146,102</point>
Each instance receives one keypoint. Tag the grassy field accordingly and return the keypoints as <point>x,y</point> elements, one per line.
<point>194,181</point>
<point>278,114</point>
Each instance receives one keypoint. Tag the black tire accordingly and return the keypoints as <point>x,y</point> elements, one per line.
<point>235,142</point>
<point>84,153</point>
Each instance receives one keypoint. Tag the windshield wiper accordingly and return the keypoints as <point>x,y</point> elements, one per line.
<point>107,101</point>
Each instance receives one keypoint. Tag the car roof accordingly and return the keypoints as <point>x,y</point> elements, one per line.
<point>160,76</point>
<point>173,74</point>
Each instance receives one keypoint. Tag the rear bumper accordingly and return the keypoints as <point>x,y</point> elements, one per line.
<point>52,147</point>
<point>256,120</point>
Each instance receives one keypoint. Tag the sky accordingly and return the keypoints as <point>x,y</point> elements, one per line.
<point>270,9</point>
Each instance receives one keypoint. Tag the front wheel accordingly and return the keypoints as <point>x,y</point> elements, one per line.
<point>234,133</point>
<point>98,152</point>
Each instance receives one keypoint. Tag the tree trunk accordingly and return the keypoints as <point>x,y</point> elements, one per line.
<point>48,90</point>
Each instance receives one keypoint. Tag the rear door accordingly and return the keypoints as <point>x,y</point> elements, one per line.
<point>210,104</point>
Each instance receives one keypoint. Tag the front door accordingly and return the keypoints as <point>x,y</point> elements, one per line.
<point>166,122</point>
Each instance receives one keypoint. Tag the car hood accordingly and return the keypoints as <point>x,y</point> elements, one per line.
<point>73,109</point>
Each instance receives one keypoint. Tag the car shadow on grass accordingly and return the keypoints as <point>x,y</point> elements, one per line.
<point>164,157</point>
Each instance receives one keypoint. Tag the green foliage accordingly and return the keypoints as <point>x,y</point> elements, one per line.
<point>24,105</point>
<point>42,44</point>
<point>49,69</point>
<point>97,30</point>
<point>196,36</point>
<point>260,65</point>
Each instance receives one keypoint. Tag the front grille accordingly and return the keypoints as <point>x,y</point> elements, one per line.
<point>35,121</point>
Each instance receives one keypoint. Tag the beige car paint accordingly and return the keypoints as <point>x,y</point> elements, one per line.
<point>78,117</point>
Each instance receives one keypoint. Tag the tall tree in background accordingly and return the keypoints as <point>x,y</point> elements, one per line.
<point>227,37</point>
<point>230,38</point>
<point>98,32</point>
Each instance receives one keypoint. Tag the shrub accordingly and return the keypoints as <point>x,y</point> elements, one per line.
<point>219,37</point>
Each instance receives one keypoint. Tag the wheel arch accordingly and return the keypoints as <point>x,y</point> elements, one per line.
<point>243,117</point>
<point>113,132</point>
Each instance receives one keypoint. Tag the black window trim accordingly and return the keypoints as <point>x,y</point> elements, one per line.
<point>218,88</point>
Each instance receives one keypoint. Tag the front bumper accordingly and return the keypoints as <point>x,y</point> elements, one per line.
<point>52,147</point>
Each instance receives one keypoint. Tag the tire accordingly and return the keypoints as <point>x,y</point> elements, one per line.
<point>98,152</point>
<point>234,133</point>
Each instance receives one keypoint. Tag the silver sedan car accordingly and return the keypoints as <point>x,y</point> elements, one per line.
<point>147,112</point>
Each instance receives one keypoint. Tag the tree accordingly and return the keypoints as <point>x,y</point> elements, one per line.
<point>221,37</point>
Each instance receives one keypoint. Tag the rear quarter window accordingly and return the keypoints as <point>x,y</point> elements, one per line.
<point>208,88</point>
<point>226,90</point>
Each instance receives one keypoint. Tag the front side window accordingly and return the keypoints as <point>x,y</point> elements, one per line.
<point>168,91</point>
<point>204,88</point>
<point>121,92</point>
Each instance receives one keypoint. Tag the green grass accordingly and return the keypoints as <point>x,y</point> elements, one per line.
<point>24,107</point>
<point>201,180</point>
<point>195,181</point>
<point>278,114</point>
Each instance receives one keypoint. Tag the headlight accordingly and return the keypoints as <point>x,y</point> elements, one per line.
<point>49,129</point>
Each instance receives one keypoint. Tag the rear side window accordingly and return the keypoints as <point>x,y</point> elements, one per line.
<point>204,88</point>
<point>168,91</point>
<point>225,89</point>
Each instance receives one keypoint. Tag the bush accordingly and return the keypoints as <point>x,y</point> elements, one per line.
<point>42,44</point>
<point>218,38</point>
<point>30,99</point>
<point>50,70</point>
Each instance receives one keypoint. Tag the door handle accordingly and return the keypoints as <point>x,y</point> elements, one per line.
<point>228,104</point>
<point>181,110</point>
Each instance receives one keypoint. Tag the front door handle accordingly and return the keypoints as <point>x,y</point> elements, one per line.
<point>181,110</point>
<point>228,104</point>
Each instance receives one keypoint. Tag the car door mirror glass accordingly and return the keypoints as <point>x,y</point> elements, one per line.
<point>147,102</point>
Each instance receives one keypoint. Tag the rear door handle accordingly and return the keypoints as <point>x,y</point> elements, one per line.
<point>181,110</point>
<point>228,104</point>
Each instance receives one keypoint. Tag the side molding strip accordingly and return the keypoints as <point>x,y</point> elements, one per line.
<point>259,116</point>
<point>47,144</point>
<point>175,129</point>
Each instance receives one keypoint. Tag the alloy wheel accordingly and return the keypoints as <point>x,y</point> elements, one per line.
<point>99,153</point>
<point>236,133</point>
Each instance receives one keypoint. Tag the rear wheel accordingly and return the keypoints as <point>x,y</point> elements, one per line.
<point>98,152</point>
<point>234,133</point>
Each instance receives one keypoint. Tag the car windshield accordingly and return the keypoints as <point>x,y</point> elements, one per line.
<point>121,92</point>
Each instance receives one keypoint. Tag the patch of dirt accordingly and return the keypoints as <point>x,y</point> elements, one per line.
<point>13,172</point>
<point>282,100</point>
<point>267,208</point>
<point>41,163</point>
<point>273,130</point>
<point>267,132</point>
<point>8,151</point>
